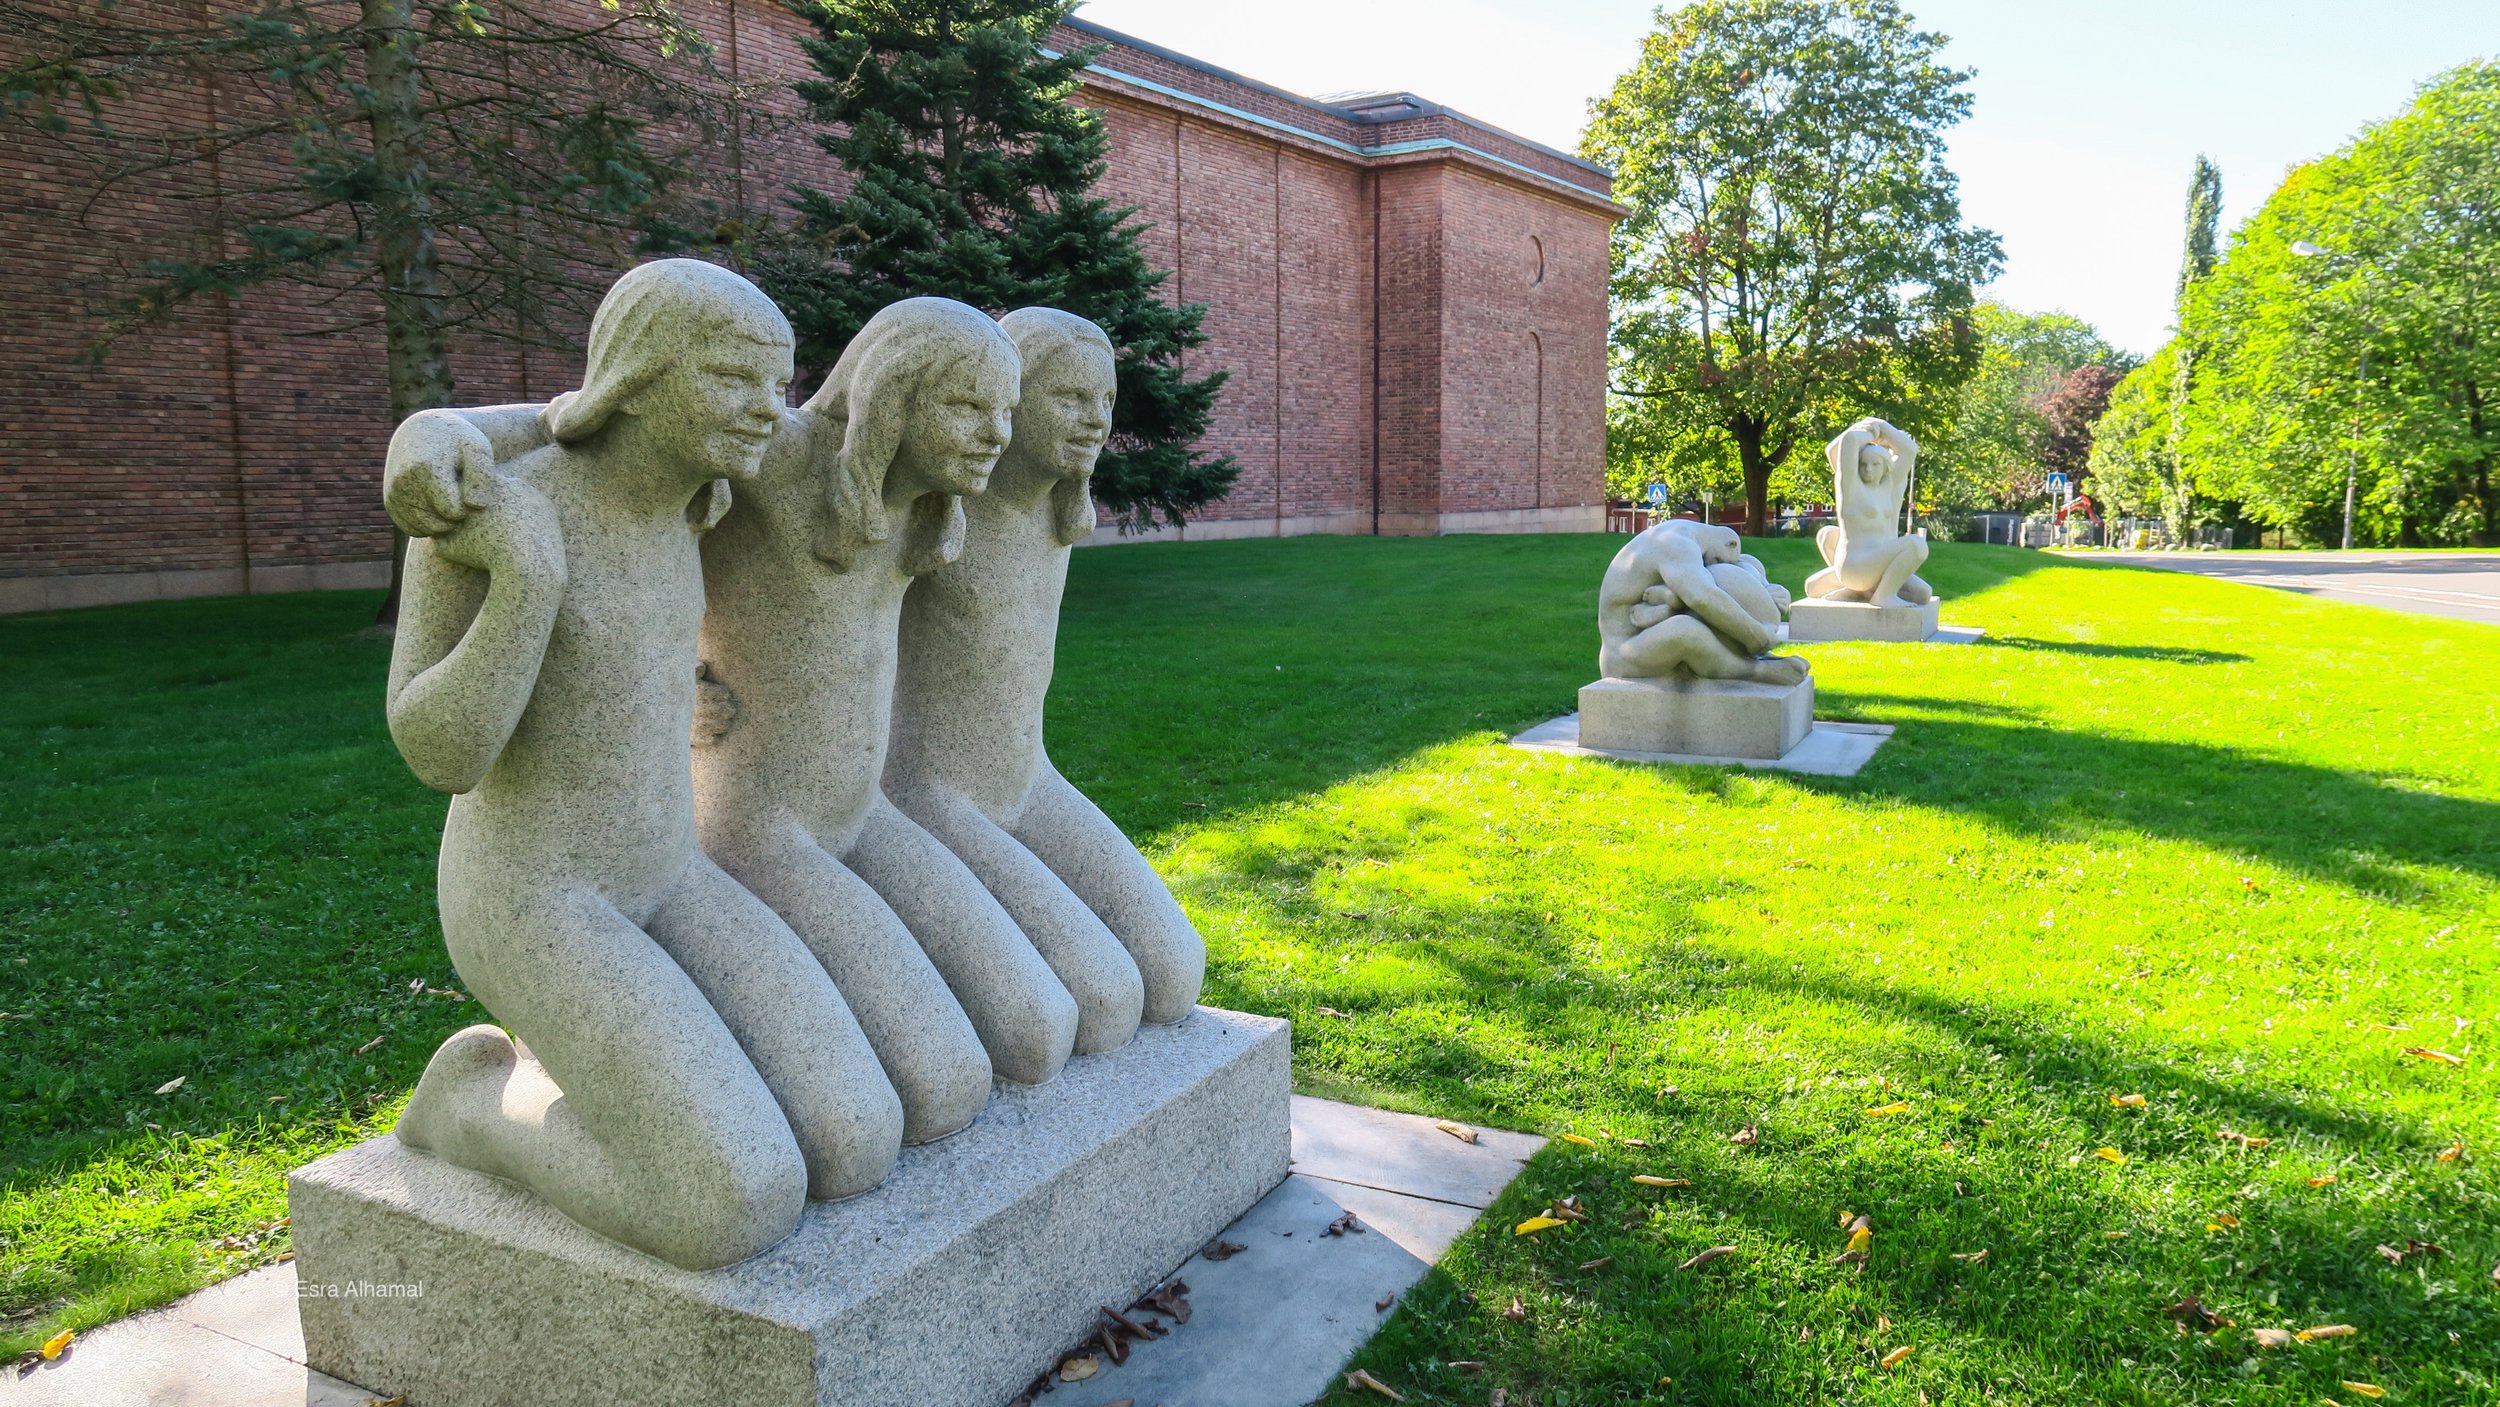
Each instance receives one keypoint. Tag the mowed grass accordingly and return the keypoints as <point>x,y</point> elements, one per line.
<point>2231,850</point>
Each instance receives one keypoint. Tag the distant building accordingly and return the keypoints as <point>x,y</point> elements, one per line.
<point>1411,304</point>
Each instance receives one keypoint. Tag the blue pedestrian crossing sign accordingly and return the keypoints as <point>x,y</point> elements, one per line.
<point>1657,495</point>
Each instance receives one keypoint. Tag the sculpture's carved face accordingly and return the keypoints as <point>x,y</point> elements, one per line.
<point>960,423</point>
<point>1065,416</point>
<point>1874,462</point>
<point>715,408</point>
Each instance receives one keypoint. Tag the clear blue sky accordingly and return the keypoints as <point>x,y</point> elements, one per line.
<point>2088,113</point>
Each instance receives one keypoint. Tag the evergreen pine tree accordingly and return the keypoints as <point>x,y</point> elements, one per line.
<point>972,178</point>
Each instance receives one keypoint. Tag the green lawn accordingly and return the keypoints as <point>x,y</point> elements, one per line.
<point>2228,849</point>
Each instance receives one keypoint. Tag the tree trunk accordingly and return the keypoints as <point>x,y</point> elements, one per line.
<point>1757,470</point>
<point>413,340</point>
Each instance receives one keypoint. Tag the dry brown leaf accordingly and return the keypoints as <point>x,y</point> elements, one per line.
<point>1114,1346</point>
<point>1636,1143</point>
<point>1077,1367</point>
<point>1223,1250</point>
<point>1171,1299</point>
<point>1332,1011</point>
<point>2454,1152</point>
<point>1894,1358</point>
<point>1706,1257</point>
<point>2321,1179</point>
<point>1469,1366</point>
<point>394,1400</point>
<point>1883,1324</point>
<point>2193,1313</point>
<point>2273,1338</point>
<point>370,1046</point>
<point>2326,1331</point>
<point>1460,1132</point>
<point>1381,1305</point>
<point>2495,1275</point>
<point>1598,1264</point>
<point>1970,1257</point>
<point>1747,1136</point>
<point>1342,1225</point>
<point>1857,1257</point>
<point>1500,1398</point>
<point>2423,1052</point>
<point>2243,1140</point>
<point>1517,1313</point>
<point>1568,1208</point>
<point>2226,1219</point>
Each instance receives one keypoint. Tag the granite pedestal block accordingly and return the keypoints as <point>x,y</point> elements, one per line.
<point>1860,620</point>
<point>1705,717</point>
<point>952,1284</point>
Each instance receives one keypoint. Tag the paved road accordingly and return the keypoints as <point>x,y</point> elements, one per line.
<point>2462,585</point>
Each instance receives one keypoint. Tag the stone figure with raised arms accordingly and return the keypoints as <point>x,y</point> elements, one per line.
<point>1867,557</point>
<point>686,1073</point>
<point>1683,599</point>
<point>978,640</point>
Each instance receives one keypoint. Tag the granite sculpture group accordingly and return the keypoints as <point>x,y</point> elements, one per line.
<point>755,852</point>
<point>1687,622</point>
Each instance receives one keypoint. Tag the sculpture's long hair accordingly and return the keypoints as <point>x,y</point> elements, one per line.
<point>1040,334</point>
<point>645,323</point>
<point>871,392</point>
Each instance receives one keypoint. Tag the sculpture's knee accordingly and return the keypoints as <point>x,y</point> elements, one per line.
<point>850,1137</point>
<point>722,1205</point>
<point>944,1081</point>
<point>1030,1041</point>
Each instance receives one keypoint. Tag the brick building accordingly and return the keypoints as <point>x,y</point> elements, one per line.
<point>1411,304</point>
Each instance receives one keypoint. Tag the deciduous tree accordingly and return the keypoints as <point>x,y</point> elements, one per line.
<point>1795,255</point>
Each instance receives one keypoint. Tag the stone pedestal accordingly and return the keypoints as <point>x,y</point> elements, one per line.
<point>951,1285</point>
<point>1860,620</point>
<point>1699,717</point>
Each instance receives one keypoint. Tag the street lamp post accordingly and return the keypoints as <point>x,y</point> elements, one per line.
<point>2352,452</point>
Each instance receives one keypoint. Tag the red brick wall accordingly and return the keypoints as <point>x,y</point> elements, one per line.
<point>1377,312</point>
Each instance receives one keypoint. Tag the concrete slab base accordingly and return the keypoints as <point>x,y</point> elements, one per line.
<point>1697,717</point>
<point>1271,1326</point>
<point>953,1283</point>
<point>1810,620</point>
<point>1830,750</point>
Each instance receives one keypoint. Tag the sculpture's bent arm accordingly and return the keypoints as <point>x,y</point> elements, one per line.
<point>433,451</point>
<point>475,614</point>
<point>1704,597</point>
<point>1843,453</point>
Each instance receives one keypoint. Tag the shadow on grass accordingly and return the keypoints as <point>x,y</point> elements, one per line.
<point>1609,1307</point>
<point>2353,828</point>
<point>2159,654</point>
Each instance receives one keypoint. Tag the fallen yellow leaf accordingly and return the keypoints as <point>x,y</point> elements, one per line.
<point>1361,1379</point>
<point>2423,1052</point>
<point>2371,1390</point>
<point>1583,1142</point>
<point>2452,1152</point>
<point>1536,1224</point>
<point>1078,1367</point>
<point>1897,1355</point>
<point>2322,1180</point>
<point>171,1085</point>
<point>1847,1216</point>
<point>2127,1101</point>
<point>2110,1155</point>
<point>1898,1106</point>
<point>1646,1180</point>
<point>1460,1132</point>
<point>2327,1331</point>
<point>58,1344</point>
<point>1861,1238</point>
<point>2226,1219</point>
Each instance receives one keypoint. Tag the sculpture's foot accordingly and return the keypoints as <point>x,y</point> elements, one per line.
<point>1823,583</point>
<point>1779,669</point>
<point>1916,592</point>
<point>460,1091</point>
<point>1840,593</point>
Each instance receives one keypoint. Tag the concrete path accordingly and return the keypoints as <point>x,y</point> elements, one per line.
<point>2460,585</point>
<point>1269,1327</point>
